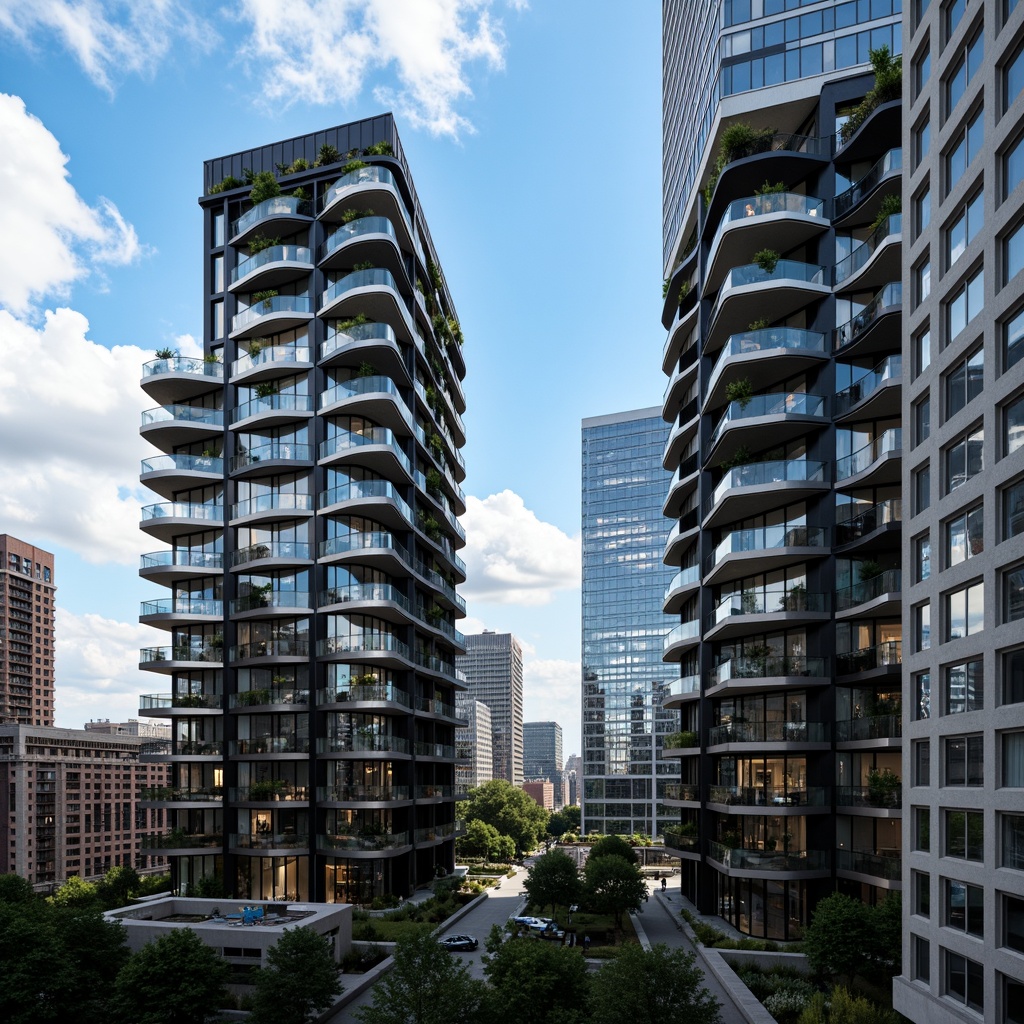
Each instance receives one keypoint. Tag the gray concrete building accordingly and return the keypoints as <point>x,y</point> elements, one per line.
<point>474,744</point>
<point>542,751</point>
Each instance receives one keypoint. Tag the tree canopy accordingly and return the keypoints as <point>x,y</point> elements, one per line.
<point>483,840</point>
<point>613,885</point>
<point>612,846</point>
<point>566,820</point>
<point>553,879</point>
<point>509,810</point>
<point>427,985</point>
<point>838,940</point>
<point>650,988</point>
<point>536,982</point>
<point>299,981</point>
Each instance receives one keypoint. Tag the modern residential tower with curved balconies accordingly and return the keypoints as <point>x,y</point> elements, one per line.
<point>783,303</point>
<point>306,500</point>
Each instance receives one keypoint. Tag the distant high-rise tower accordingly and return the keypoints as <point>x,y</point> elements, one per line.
<point>624,581</point>
<point>27,595</point>
<point>542,751</point>
<point>493,667</point>
<point>474,744</point>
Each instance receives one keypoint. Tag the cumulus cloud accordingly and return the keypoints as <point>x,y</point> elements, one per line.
<point>41,205</point>
<point>551,693</point>
<point>97,668</point>
<point>325,51</point>
<point>70,454</point>
<point>108,38</point>
<point>512,556</point>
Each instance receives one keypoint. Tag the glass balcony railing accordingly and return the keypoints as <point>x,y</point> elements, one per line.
<point>357,333</point>
<point>887,865</point>
<point>884,655</point>
<point>271,600</point>
<point>772,202</point>
<point>888,300</point>
<point>273,502</point>
<point>355,229</point>
<point>769,667</point>
<point>209,561</point>
<point>357,742</point>
<point>184,464</point>
<point>271,355</point>
<point>360,541</point>
<point>769,796</point>
<point>268,840</point>
<point>758,603</point>
<point>769,732</point>
<point>182,605</point>
<point>298,304</point>
<point>183,414</point>
<point>858,258</point>
<point>280,647</point>
<point>874,727</point>
<point>868,519</point>
<point>752,273</point>
<point>184,364</point>
<point>372,175</point>
<point>346,440</point>
<point>209,651</point>
<point>272,403</point>
<point>888,582</point>
<point>889,164</point>
<point>767,538</point>
<point>328,843</point>
<point>684,686</point>
<point>177,839</point>
<point>869,796</point>
<point>367,794</point>
<point>890,368</point>
<point>677,839</point>
<point>278,206</point>
<point>359,490</point>
<point>357,643</point>
<point>169,701</point>
<point>794,403</point>
<point>364,692</point>
<point>287,743</point>
<point>764,474</point>
<point>288,549</point>
<point>769,339</point>
<point>445,750</point>
<point>356,386</point>
<point>377,277</point>
<point>684,578</point>
<point>174,794</point>
<point>681,791</point>
<point>364,592</point>
<point>768,860</point>
<point>889,442</point>
<point>264,696</point>
<point>684,631</point>
<point>272,254</point>
<point>272,451</point>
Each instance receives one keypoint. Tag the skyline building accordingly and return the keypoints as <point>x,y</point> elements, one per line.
<point>27,609</point>
<point>542,751</point>
<point>783,246</point>
<point>474,760</point>
<point>624,781</point>
<point>493,670</point>
<point>309,485</point>
<point>963,486</point>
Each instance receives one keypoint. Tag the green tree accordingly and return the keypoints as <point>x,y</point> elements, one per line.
<point>566,820</point>
<point>264,186</point>
<point>299,981</point>
<point>650,988</point>
<point>887,937</point>
<point>15,889</point>
<point>76,892</point>
<point>612,846</point>
<point>427,985</point>
<point>613,886</point>
<point>479,839</point>
<point>118,886</point>
<point>553,879</point>
<point>536,983</point>
<point>175,980</point>
<point>510,811</point>
<point>838,941</point>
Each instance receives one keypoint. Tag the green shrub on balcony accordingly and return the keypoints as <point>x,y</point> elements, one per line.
<point>328,155</point>
<point>347,216</point>
<point>352,166</point>
<point>767,260</point>
<point>741,391</point>
<point>355,321</point>
<point>259,243</point>
<point>738,140</point>
<point>264,186</point>
<point>883,787</point>
<point>366,369</point>
<point>382,148</point>
<point>165,353</point>
<point>300,163</point>
<point>890,205</point>
<point>677,740</point>
<point>768,189</point>
<point>226,185</point>
<point>433,483</point>
<point>365,265</point>
<point>759,324</point>
<point>266,789</point>
<point>265,389</point>
<point>888,86</point>
<point>684,290</point>
<point>265,298</point>
<point>247,698</point>
<point>741,457</point>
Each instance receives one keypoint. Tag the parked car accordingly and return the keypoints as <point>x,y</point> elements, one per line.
<point>460,943</point>
<point>529,922</point>
<point>552,931</point>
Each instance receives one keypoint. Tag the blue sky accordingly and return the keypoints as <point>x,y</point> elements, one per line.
<point>533,134</point>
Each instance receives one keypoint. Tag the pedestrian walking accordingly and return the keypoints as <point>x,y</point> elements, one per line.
<point>664,885</point>
<point>586,944</point>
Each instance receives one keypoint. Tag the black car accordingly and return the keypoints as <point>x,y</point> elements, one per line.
<point>460,943</point>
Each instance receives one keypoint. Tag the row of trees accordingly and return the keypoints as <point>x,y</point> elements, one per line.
<point>61,961</point>
<point>531,982</point>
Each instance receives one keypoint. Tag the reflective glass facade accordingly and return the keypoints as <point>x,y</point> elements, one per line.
<point>624,580</point>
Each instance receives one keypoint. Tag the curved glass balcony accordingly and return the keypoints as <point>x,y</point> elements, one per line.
<point>327,843</point>
<point>794,600</point>
<point>362,794</point>
<point>364,592</point>
<point>271,355</point>
<point>889,442</point>
<point>768,732</point>
<point>886,166</point>
<point>268,840</point>
<point>681,791</point>
<point>284,647</point>
<point>888,300</point>
<point>273,502</point>
<point>274,599</point>
<point>868,796</point>
<point>184,464</point>
<point>209,652</point>
<point>268,790</point>
<point>879,865</point>
<point>768,860</point>
<point>372,175</point>
<point>858,258</point>
<point>769,796</point>
<point>358,490</point>
<point>357,644</point>
<point>684,578</point>
<point>357,386</point>
<point>264,697</point>
<point>752,273</point>
<point>360,541</point>
<point>386,692</point>
<point>770,667</point>
<point>794,403</point>
<point>177,839</point>
<point>354,229</point>
<point>767,538</point>
<point>884,655</point>
<point>286,549</point>
<point>863,521</point>
<point>681,633</point>
<point>167,701</point>
<point>183,510</point>
<point>357,333</point>
<point>888,582</point>
<point>773,202</point>
<point>346,440</point>
<point>278,206</point>
<point>890,368</point>
<point>272,254</point>
<point>764,474</point>
<point>270,404</point>
<point>874,727</point>
<point>207,561</point>
<point>357,742</point>
<point>288,743</point>
<point>376,277</point>
<point>683,687</point>
<point>296,304</point>
<point>272,451</point>
<point>769,339</point>
<point>183,364</point>
<point>181,605</point>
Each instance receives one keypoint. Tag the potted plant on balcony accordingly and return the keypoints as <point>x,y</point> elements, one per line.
<point>741,391</point>
<point>264,186</point>
<point>767,260</point>
<point>757,656</point>
<point>883,787</point>
<point>870,569</point>
<point>796,598</point>
<point>261,242</point>
<point>264,298</point>
<point>890,205</point>
<point>165,353</point>
<point>366,369</point>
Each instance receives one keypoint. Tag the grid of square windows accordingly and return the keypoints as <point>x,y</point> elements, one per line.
<point>922,893</point>
<point>1013,253</point>
<point>922,695</point>
<point>1013,166</point>
<point>922,762</point>
<point>922,833</point>
<point>1013,677</point>
<point>922,418</point>
<point>1013,841</point>
<point>922,557</point>
<point>1012,760</point>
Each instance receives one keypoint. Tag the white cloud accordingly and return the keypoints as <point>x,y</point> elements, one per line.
<point>97,668</point>
<point>324,51</point>
<point>512,556</point>
<point>108,38</point>
<point>552,694</point>
<point>51,234</point>
<point>69,460</point>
